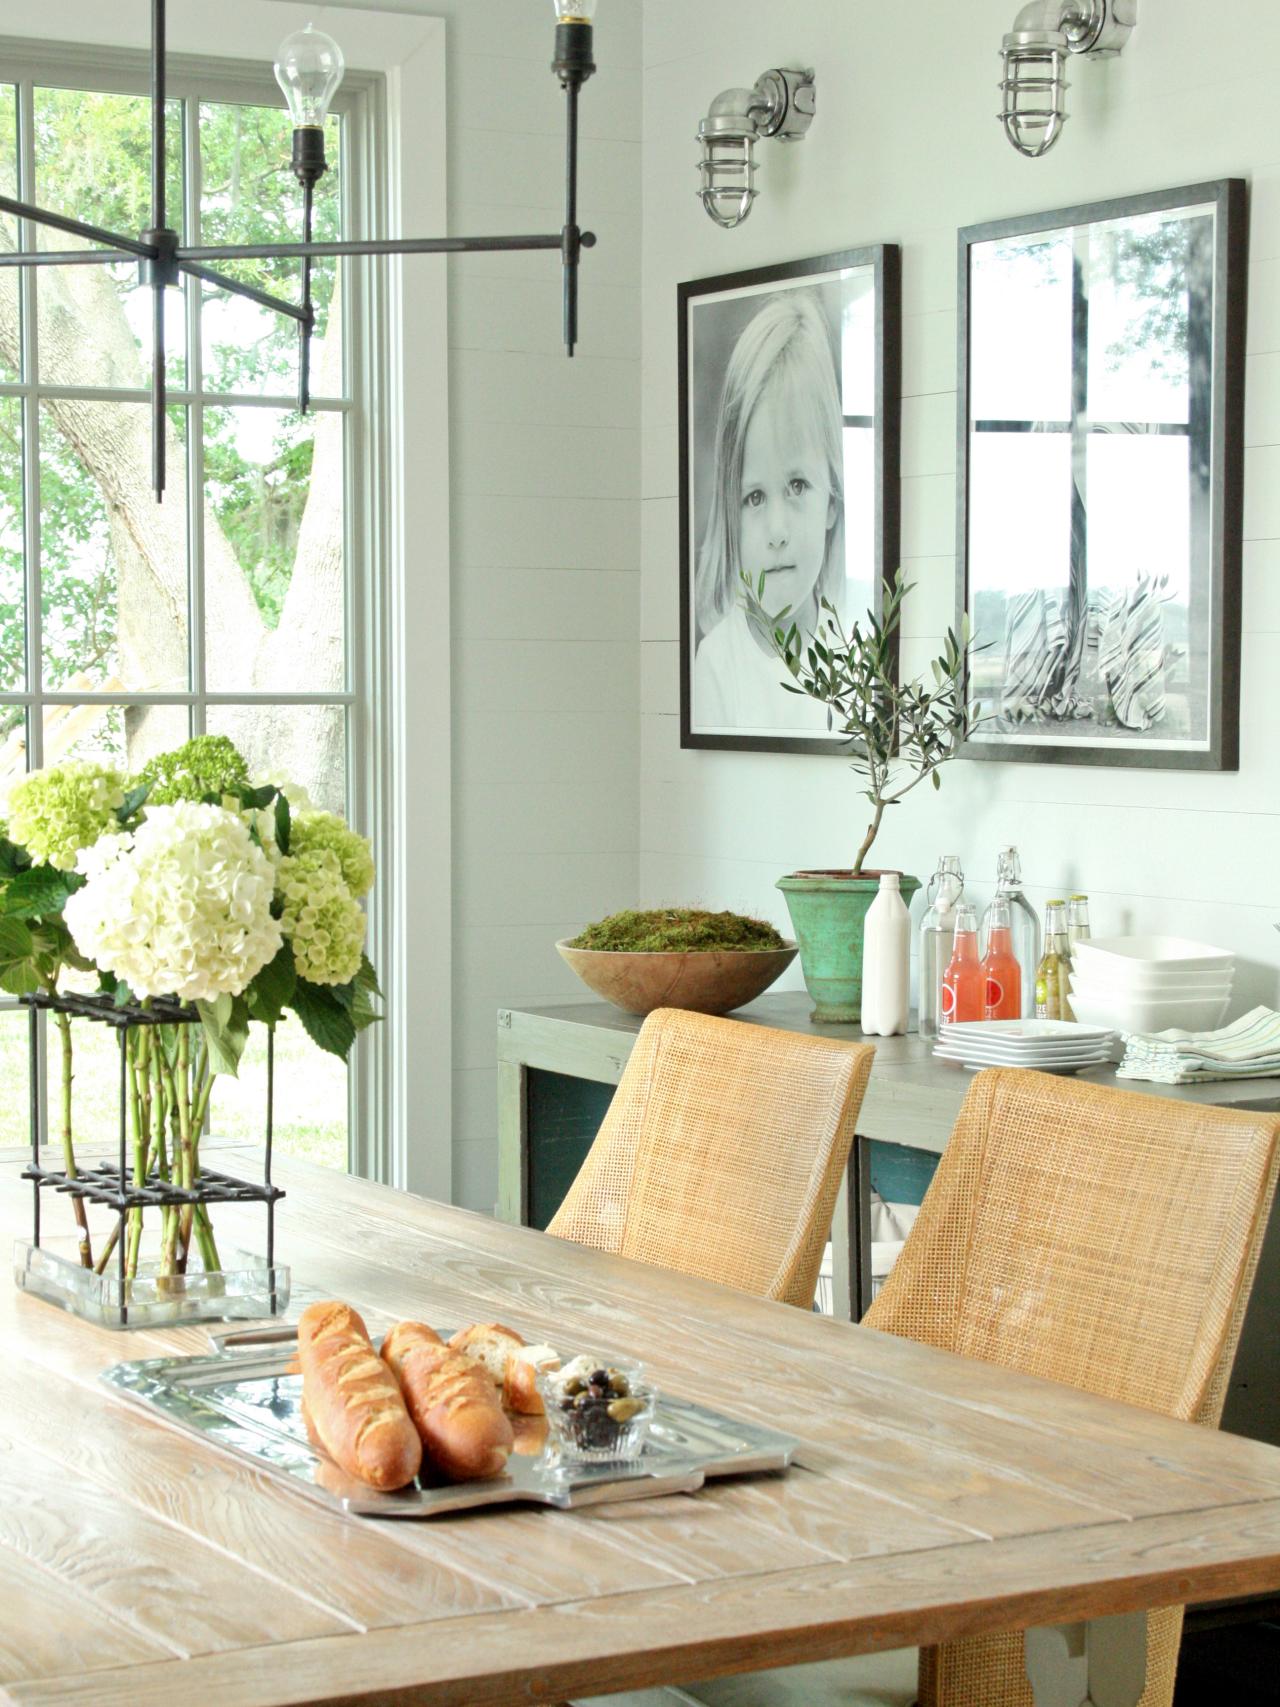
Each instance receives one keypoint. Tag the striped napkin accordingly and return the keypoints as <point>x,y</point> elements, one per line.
<point>1247,1049</point>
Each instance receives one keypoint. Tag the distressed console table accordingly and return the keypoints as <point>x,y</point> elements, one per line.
<point>557,1067</point>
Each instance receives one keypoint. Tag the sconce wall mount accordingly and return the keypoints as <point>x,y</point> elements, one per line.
<point>1034,86</point>
<point>781,105</point>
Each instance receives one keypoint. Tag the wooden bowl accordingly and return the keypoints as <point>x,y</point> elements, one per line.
<point>706,981</point>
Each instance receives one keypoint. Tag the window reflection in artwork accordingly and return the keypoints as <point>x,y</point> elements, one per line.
<point>1090,497</point>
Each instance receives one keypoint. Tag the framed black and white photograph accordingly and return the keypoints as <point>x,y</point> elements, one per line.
<point>1100,438</point>
<point>789,429</point>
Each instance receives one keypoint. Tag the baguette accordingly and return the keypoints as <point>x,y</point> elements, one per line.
<point>453,1403</point>
<point>351,1401</point>
<point>490,1343</point>
<point>520,1378</point>
<point>511,1363</point>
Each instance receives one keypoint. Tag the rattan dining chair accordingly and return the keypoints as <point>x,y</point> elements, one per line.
<point>1092,1236</point>
<point>722,1153</point>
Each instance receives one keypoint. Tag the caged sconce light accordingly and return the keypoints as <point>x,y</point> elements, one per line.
<point>780,105</point>
<point>1035,51</point>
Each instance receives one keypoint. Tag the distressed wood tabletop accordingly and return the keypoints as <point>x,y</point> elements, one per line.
<point>934,1496</point>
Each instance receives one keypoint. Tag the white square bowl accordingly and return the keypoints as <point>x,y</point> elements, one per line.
<point>1137,1012</point>
<point>1139,959</point>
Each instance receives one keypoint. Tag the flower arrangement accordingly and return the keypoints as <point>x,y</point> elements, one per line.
<point>192,883</point>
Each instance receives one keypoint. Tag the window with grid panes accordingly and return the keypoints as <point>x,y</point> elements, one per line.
<point>126,626</point>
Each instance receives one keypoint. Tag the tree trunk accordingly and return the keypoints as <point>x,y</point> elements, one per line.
<point>85,339</point>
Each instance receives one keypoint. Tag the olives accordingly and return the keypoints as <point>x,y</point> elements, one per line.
<point>597,1405</point>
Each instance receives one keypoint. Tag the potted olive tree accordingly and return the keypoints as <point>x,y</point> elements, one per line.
<point>900,735</point>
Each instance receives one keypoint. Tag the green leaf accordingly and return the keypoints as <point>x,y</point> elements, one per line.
<point>270,991</point>
<point>133,802</point>
<point>18,974</point>
<point>40,892</point>
<point>13,859</point>
<point>324,1018</point>
<point>283,822</point>
<point>225,1038</point>
<point>255,799</point>
<point>367,978</point>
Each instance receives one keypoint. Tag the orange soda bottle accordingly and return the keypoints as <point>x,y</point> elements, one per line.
<point>1002,976</point>
<point>962,982</point>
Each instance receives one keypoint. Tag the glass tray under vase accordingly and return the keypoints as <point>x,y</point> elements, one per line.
<point>248,1288</point>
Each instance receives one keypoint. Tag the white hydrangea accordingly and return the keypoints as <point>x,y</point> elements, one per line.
<point>181,906</point>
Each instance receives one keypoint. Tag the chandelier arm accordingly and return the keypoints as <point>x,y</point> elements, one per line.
<point>263,298</point>
<point>64,257</point>
<point>306,324</point>
<point>77,228</point>
<point>571,237</point>
<point>160,274</point>
<point>375,246</point>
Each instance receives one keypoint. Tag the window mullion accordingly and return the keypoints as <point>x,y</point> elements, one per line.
<point>29,373</point>
<point>195,427</point>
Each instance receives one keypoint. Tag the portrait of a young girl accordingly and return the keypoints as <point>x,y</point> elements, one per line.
<point>776,507</point>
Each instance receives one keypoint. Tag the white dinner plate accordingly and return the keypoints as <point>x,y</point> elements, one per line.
<point>1029,1030</point>
<point>972,1060</point>
<point>1012,1057</point>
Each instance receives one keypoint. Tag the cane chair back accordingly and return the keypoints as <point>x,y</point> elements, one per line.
<point>1092,1236</point>
<point>722,1153</point>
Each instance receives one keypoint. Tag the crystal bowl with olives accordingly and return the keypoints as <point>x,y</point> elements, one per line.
<point>598,1409</point>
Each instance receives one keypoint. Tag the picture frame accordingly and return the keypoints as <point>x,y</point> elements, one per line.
<point>789,376</point>
<point>1099,512</point>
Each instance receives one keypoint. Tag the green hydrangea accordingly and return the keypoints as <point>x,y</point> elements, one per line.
<point>209,764</point>
<point>55,813</point>
<point>313,832</point>
<point>321,918</point>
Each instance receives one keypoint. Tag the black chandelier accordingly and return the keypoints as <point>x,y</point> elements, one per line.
<point>309,68</point>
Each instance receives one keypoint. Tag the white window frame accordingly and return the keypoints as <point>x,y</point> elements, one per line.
<point>397,490</point>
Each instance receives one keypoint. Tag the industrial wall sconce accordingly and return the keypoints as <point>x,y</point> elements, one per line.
<point>780,105</point>
<point>1035,52</point>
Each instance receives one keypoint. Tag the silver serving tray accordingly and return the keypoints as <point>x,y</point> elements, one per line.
<point>247,1402</point>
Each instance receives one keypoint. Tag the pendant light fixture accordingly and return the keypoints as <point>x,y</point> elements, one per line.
<point>309,68</point>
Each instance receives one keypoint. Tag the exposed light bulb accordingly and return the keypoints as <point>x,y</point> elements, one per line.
<point>309,67</point>
<point>575,11</point>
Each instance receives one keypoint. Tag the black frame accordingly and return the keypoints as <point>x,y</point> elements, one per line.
<point>885,259</point>
<point>1225,436</point>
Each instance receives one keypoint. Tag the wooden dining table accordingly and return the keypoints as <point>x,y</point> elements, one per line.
<point>932,1497</point>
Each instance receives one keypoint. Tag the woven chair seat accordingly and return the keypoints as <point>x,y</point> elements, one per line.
<point>1088,1235</point>
<point>722,1153</point>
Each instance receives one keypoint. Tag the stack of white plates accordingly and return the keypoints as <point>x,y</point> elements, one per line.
<point>1048,1045</point>
<point>1151,983</point>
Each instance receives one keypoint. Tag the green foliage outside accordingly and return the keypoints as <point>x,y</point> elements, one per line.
<point>92,158</point>
<point>93,161</point>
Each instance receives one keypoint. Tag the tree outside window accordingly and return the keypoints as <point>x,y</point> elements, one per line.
<point>127,625</point>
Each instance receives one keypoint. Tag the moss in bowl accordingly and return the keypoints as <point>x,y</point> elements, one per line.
<point>678,957</point>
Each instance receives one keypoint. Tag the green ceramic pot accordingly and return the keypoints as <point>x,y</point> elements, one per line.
<point>829,912</point>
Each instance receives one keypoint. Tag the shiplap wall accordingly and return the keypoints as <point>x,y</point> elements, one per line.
<point>545,544</point>
<point>905,148</point>
<point>544,494</point>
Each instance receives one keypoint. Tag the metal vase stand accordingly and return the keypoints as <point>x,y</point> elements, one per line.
<point>110,1183</point>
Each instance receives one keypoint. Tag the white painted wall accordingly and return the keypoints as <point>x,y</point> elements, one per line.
<point>544,491</point>
<point>544,457</point>
<point>906,148</point>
